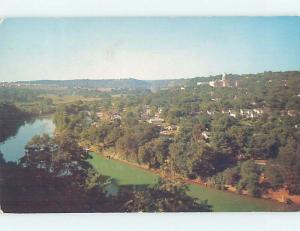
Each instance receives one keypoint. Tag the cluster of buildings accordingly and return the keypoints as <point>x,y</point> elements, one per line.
<point>244,113</point>
<point>250,113</point>
<point>16,85</point>
<point>109,115</point>
<point>167,130</point>
<point>224,82</point>
<point>156,119</point>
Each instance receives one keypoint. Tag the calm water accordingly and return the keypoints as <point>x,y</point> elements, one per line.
<point>13,147</point>
<point>125,175</point>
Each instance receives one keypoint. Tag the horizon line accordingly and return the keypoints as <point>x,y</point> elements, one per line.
<point>134,78</point>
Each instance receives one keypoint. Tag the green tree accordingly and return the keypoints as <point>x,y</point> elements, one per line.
<point>250,174</point>
<point>287,167</point>
<point>154,152</point>
<point>165,196</point>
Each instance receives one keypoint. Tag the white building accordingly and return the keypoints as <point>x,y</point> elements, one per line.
<point>156,120</point>
<point>202,83</point>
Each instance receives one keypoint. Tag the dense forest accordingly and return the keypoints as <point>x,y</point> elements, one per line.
<point>55,176</point>
<point>243,136</point>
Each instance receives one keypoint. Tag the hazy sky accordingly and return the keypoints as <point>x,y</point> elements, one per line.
<point>146,48</point>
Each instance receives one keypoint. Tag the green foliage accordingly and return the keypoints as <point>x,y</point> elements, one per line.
<point>244,176</point>
<point>60,156</point>
<point>154,153</point>
<point>165,196</point>
<point>14,95</point>
<point>250,174</point>
<point>285,169</point>
<point>11,118</point>
<point>232,175</point>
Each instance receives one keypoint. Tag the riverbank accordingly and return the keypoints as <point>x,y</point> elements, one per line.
<point>222,201</point>
<point>280,196</point>
<point>13,147</point>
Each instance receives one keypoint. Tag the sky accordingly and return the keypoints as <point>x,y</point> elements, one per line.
<point>146,47</point>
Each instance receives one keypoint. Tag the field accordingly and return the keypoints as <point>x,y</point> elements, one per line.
<point>57,99</point>
<point>126,174</point>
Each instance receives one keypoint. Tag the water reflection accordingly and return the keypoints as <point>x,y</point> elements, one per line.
<point>13,147</point>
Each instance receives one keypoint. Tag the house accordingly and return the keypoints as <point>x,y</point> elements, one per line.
<point>202,83</point>
<point>251,113</point>
<point>167,133</point>
<point>169,130</point>
<point>156,120</point>
<point>260,162</point>
<point>232,113</point>
<point>229,112</point>
<point>209,112</point>
<point>258,111</point>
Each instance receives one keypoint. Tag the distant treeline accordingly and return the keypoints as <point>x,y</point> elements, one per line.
<point>113,84</point>
<point>133,84</point>
<point>91,83</point>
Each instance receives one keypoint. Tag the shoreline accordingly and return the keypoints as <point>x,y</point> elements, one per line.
<point>192,182</point>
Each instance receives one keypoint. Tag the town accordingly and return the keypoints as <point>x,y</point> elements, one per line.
<point>175,114</point>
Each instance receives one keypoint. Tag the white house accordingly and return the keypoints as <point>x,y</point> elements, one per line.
<point>156,120</point>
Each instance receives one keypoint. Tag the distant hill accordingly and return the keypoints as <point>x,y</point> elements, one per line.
<point>134,84</point>
<point>165,83</point>
<point>131,83</point>
<point>96,83</point>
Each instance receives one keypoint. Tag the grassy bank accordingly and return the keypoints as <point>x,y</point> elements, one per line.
<point>126,174</point>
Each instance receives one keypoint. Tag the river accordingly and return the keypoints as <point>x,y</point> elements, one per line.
<point>124,175</point>
<point>127,175</point>
<point>13,148</point>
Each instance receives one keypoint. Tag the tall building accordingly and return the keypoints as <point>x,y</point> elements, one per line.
<point>224,82</point>
<point>224,77</point>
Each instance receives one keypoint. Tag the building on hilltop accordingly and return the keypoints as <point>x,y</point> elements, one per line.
<point>224,82</point>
